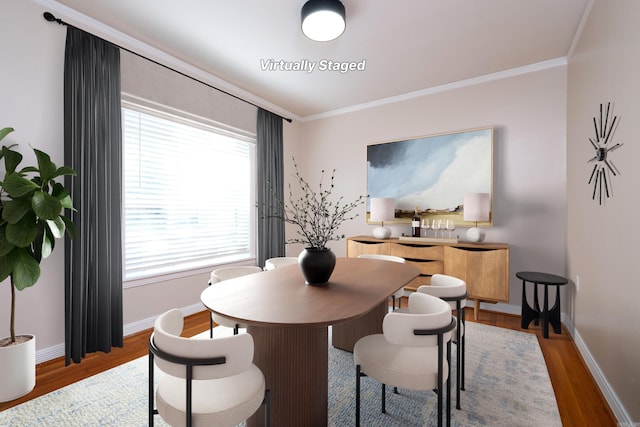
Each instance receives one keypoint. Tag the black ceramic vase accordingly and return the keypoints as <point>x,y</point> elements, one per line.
<point>316,265</point>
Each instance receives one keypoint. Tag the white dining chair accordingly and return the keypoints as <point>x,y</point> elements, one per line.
<point>413,351</point>
<point>275,262</point>
<point>226,273</point>
<point>210,382</point>
<point>454,291</point>
<point>397,295</point>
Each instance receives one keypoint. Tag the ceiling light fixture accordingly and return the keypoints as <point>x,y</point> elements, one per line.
<point>323,20</point>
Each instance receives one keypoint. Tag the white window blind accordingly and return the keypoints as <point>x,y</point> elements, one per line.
<point>188,194</point>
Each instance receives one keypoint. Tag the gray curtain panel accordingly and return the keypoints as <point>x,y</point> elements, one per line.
<point>93,147</point>
<point>270,181</point>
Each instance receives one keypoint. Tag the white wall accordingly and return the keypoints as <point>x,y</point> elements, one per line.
<point>602,240</point>
<point>32,103</point>
<point>528,116</point>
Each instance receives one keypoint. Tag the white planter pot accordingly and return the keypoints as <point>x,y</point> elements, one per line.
<point>17,369</point>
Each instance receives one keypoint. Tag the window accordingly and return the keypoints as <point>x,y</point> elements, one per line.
<point>189,198</point>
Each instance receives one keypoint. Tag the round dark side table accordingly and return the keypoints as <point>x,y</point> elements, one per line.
<point>546,315</point>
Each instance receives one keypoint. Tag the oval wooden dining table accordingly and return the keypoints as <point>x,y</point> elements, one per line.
<point>289,321</point>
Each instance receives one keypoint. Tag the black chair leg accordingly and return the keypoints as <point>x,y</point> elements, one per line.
<point>464,325</point>
<point>267,408</point>
<point>440,377</point>
<point>357,395</point>
<point>151,391</point>
<point>449,385</point>
<point>458,360</point>
<point>384,399</point>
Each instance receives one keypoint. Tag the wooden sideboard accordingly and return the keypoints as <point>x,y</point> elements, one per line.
<point>483,266</point>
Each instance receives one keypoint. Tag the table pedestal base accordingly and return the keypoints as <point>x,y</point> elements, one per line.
<point>344,335</point>
<point>294,361</point>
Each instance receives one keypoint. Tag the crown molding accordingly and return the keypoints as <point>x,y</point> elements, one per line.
<point>539,66</point>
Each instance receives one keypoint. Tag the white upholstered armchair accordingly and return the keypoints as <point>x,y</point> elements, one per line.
<point>206,382</point>
<point>410,353</point>
<point>226,273</point>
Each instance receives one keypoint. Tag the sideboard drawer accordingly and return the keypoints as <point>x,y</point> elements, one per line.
<point>428,267</point>
<point>416,252</point>
<point>356,247</point>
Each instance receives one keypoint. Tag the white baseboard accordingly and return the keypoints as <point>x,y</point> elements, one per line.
<point>141,325</point>
<point>49,353</point>
<point>498,307</point>
<point>622,416</point>
<point>57,350</point>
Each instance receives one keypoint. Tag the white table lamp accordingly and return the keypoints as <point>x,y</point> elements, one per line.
<point>476,208</point>
<point>382,209</point>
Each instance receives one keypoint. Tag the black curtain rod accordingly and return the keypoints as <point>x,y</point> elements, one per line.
<point>49,17</point>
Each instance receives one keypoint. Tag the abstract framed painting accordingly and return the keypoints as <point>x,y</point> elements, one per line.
<point>432,173</point>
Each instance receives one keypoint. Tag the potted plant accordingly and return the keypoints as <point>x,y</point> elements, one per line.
<point>318,216</point>
<point>31,219</point>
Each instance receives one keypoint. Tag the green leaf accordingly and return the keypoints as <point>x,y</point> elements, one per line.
<point>44,245</point>
<point>11,159</point>
<point>22,233</point>
<point>45,205</point>
<point>5,247</point>
<point>64,170</point>
<point>17,186</point>
<point>57,227</point>
<point>37,246</point>
<point>71,227</point>
<point>46,166</point>
<point>52,240</point>
<point>14,210</point>
<point>26,270</point>
<point>19,264</point>
<point>4,132</point>
<point>6,267</point>
<point>62,194</point>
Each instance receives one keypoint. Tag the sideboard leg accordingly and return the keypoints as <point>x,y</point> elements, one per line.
<point>476,308</point>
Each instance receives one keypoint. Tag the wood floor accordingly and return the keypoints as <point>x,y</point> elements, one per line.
<point>579,399</point>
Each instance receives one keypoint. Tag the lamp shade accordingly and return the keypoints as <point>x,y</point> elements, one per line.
<point>382,209</point>
<point>477,206</point>
<point>323,20</point>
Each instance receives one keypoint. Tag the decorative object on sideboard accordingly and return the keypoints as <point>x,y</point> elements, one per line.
<point>382,209</point>
<point>437,227</point>
<point>476,208</point>
<point>323,20</point>
<point>415,224</point>
<point>600,176</point>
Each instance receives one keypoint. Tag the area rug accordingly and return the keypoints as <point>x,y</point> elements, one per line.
<point>507,384</point>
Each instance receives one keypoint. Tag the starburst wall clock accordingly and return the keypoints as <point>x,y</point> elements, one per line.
<point>604,169</point>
